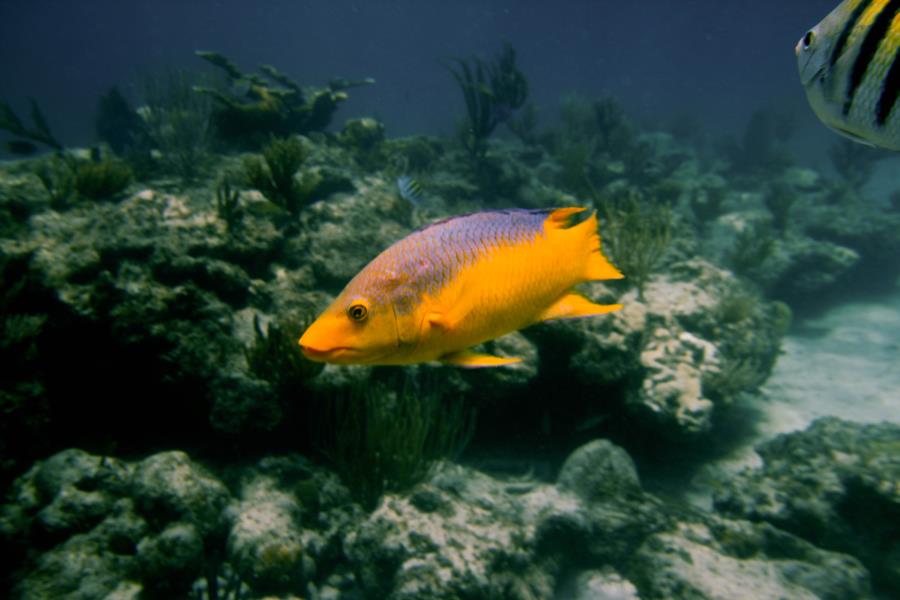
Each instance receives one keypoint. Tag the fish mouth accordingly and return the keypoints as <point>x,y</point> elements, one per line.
<point>337,354</point>
<point>343,355</point>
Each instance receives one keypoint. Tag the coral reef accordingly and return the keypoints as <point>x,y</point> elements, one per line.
<point>169,318</point>
<point>835,485</point>
<point>271,105</point>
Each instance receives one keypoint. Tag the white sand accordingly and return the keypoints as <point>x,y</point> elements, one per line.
<point>845,363</point>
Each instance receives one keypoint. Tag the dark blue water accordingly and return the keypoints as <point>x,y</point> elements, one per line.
<point>714,60</point>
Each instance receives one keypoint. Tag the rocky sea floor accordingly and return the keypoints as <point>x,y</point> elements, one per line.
<point>205,457</point>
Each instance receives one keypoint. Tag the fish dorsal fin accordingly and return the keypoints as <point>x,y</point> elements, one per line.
<point>474,360</point>
<point>561,218</point>
<point>575,306</point>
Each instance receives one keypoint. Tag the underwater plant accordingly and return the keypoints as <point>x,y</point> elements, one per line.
<point>735,307</point>
<point>492,91</point>
<point>735,376</point>
<point>40,133</point>
<point>598,144</point>
<point>177,122</point>
<point>276,174</point>
<point>706,203</point>
<point>102,178</point>
<point>228,205</point>
<point>752,247</point>
<point>854,162</point>
<point>57,174</point>
<point>66,178</point>
<point>274,356</point>
<point>636,235</point>
<point>119,125</point>
<point>256,107</point>
<point>25,345</point>
<point>388,436</point>
<point>762,147</point>
<point>779,199</point>
<point>524,125</point>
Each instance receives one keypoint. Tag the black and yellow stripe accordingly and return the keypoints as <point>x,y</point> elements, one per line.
<point>890,91</point>
<point>841,43</point>
<point>877,33</point>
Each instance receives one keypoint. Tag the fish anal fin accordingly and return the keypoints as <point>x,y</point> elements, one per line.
<point>574,306</point>
<point>474,360</point>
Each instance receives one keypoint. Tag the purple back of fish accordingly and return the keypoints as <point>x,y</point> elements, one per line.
<point>429,258</point>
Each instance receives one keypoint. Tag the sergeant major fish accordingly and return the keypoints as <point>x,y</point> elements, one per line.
<point>460,282</point>
<point>850,67</point>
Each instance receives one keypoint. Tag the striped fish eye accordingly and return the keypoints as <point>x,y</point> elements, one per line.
<point>357,312</point>
<point>808,39</point>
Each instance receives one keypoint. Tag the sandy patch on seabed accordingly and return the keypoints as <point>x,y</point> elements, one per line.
<point>845,363</point>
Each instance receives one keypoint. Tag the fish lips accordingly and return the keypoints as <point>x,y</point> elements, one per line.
<point>332,355</point>
<point>342,355</point>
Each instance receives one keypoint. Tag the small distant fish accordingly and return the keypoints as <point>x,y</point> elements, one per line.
<point>460,282</point>
<point>21,147</point>
<point>850,67</point>
<point>410,189</point>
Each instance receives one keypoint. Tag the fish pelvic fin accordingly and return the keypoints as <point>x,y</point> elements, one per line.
<point>474,360</point>
<point>575,306</point>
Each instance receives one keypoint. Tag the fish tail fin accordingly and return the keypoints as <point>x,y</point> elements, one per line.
<point>584,235</point>
<point>597,266</point>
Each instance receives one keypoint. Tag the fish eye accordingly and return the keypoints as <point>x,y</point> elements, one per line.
<point>358,312</point>
<point>808,40</point>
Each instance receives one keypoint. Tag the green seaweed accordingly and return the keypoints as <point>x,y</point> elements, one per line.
<point>752,247</point>
<point>635,235</point>
<point>57,174</point>
<point>228,205</point>
<point>275,175</point>
<point>779,199</point>
<point>854,162</point>
<point>491,91</point>
<point>275,356</point>
<point>40,133</point>
<point>102,179</point>
<point>388,436</point>
<point>178,122</point>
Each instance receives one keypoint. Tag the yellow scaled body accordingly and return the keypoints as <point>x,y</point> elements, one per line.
<point>461,282</point>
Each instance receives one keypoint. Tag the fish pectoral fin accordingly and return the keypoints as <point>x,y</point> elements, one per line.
<point>575,306</point>
<point>441,320</point>
<point>474,360</point>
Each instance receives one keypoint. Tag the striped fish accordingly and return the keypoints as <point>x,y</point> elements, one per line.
<point>410,189</point>
<point>460,282</point>
<point>850,67</point>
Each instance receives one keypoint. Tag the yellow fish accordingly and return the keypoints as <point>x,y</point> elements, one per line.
<point>460,282</point>
<point>850,67</point>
